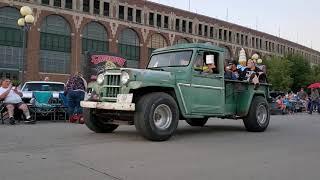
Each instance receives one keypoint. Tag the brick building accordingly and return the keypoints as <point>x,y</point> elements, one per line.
<point>64,30</point>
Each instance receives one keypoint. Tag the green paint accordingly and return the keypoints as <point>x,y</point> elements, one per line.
<point>198,94</point>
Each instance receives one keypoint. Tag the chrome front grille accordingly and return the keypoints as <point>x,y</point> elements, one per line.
<point>112,92</point>
<point>111,86</point>
<point>112,80</point>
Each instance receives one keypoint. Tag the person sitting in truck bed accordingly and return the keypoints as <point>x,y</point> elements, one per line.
<point>228,74</point>
<point>251,73</point>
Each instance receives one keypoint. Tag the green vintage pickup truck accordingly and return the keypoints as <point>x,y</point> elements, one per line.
<point>174,87</point>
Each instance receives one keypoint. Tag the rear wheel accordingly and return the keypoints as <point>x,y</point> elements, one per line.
<point>259,115</point>
<point>156,116</point>
<point>97,124</point>
<point>197,122</point>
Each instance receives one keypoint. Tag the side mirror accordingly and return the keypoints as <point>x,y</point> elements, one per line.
<point>209,59</point>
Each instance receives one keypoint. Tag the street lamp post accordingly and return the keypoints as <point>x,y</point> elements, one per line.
<point>25,23</point>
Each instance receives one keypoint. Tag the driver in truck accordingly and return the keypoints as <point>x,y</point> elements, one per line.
<point>208,66</point>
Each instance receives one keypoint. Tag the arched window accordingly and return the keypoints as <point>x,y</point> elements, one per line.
<point>55,45</point>
<point>227,54</point>
<point>10,43</point>
<point>156,41</point>
<point>94,38</point>
<point>182,41</point>
<point>129,47</point>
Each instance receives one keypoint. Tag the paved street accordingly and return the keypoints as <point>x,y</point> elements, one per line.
<point>290,149</point>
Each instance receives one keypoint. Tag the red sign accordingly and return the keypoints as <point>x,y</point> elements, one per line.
<point>97,59</point>
<point>98,63</point>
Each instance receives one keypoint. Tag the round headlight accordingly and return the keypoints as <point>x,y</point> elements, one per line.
<point>124,77</point>
<point>100,78</point>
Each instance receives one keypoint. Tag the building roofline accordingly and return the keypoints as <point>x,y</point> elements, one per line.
<point>229,24</point>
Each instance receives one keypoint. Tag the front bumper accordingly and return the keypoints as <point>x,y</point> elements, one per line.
<point>108,105</point>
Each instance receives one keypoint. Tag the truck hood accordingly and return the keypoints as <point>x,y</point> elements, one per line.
<point>148,76</point>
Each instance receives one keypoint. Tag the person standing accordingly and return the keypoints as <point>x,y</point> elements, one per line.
<point>75,91</point>
<point>314,100</point>
<point>302,94</point>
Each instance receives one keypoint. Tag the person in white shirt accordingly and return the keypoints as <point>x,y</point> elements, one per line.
<point>11,97</point>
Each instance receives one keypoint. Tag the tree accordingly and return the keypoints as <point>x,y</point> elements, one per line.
<point>315,73</point>
<point>291,72</point>
<point>279,73</point>
<point>300,71</point>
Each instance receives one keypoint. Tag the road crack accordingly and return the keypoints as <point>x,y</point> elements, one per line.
<point>96,170</point>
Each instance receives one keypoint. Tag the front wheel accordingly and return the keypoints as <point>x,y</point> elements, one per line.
<point>197,122</point>
<point>259,115</point>
<point>96,123</point>
<point>157,116</point>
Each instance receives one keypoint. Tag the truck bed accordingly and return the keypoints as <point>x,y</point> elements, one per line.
<point>238,95</point>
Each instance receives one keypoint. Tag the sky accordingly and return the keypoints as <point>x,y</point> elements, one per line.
<point>294,20</point>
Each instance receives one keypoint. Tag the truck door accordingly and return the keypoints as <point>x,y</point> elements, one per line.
<point>208,87</point>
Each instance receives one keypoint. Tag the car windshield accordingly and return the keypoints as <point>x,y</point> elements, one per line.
<point>43,87</point>
<point>171,59</point>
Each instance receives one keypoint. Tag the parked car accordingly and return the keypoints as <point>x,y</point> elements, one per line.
<point>275,94</point>
<point>29,87</point>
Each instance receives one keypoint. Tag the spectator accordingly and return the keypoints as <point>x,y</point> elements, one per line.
<point>302,94</point>
<point>314,100</point>
<point>288,103</point>
<point>303,97</point>
<point>75,91</point>
<point>11,97</point>
<point>280,105</point>
<point>46,79</point>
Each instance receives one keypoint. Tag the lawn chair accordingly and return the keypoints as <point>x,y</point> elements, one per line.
<point>2,112</point>
<point>18,114</point>
<point>63,105</point>
<point>41,104</point>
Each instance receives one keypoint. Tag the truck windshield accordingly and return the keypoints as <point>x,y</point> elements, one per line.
<point>171,59</point>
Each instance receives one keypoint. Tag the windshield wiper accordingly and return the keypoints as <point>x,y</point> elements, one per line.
<point>156,68</point>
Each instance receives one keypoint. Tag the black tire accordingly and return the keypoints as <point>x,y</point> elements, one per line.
<point>197,122</point>
<point>145,114</point>
<point>95,124</point>
<point>252,122</point>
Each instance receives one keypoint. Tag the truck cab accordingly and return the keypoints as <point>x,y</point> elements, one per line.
<point>182,82</point>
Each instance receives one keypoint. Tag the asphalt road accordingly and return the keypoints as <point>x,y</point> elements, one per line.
<point>289,149</point>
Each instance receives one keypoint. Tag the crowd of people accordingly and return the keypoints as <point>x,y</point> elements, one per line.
<point>250,70</point>
<point>290,102</point>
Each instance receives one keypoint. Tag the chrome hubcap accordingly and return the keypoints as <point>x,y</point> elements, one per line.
<point>162,116</point>
<point>262,115</point>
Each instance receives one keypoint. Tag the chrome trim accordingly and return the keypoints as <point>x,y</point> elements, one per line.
<point>107,73</point>
<point>208,87</point>
<point>183,102</point>
<point>108,105</point>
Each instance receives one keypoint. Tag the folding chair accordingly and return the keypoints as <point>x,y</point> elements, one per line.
<point>42,105</point>
<point>63,105</point>
<point>2,112</point>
